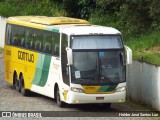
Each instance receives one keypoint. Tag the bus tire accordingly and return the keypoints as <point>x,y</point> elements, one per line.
<point>24,91</point>
<point>58,99</point>
<point>14,80</point>
<point>17,83</point>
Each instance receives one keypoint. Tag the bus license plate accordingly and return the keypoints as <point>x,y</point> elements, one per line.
<point>99,98</point>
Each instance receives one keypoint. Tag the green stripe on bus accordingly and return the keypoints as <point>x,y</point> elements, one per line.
<point>102,89</point>
<point>42,70</point>
<point>107,88</point>
<point>38,71</point>
<point>112,88</point>
<point>45,71</point>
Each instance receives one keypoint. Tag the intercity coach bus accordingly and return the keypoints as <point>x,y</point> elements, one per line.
<point>67,59</point>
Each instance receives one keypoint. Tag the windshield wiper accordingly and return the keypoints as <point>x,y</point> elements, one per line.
<point>88,78</point>
<point>84,80</point>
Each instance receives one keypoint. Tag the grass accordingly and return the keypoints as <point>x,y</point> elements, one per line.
<point>146,48</point>
<point>145,41</point>
<point>151,58</point>
<point>1,50</point>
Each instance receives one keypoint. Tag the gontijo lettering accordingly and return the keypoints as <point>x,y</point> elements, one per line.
<point>25,56</point>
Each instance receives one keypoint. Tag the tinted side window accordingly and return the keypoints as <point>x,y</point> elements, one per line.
<point>29,36</point>
<point>55,43</point>
<point>51,43</point>
<point>65,69</point>
<point>21,36</point>
<point>47,42</point>
<point>33,39</point>
<point>64,43</point>
<point>38,38</point>
<point>8,34</point>
<point>14,35</point>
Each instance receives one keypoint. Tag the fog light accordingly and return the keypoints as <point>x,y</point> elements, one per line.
<point>76,101</point>
<point>120,100</point>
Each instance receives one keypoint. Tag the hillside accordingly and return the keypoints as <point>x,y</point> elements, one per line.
<point>140,27</point>
<point>146,48</point>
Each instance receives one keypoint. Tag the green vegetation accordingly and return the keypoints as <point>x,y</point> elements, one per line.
<point>1,50</point>
<point>138,20</point>
<point>151,57</point>
<point>29,7</point>
<point>146,47</point>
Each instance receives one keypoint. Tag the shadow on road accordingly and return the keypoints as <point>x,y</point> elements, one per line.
<point>92,108</point>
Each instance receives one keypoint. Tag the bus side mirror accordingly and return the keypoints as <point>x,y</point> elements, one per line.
<point>129,55</point>
<point>69,56</point>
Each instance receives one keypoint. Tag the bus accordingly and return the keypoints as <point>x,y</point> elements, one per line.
<point>67,59</point>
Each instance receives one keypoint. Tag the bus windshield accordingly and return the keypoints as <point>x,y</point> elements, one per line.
<point>96,42</point>
<point>97,66</point>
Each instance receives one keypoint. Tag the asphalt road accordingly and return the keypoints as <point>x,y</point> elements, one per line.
<point>11,100</point>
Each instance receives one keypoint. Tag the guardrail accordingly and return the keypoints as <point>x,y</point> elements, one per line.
<point>143,83</point>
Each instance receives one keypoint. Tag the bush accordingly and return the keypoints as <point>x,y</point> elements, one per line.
<point>32,7</point>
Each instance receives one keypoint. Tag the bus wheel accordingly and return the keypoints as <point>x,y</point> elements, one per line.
<point>58,99</point>
<point>14,80</point>
<point>24,92</point>
<point>17,85</point>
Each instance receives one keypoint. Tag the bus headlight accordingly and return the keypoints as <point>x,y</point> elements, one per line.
<point>120,89</point>
<point>79,90</point>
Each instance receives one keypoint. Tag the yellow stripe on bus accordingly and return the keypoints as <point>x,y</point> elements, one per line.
<point>27,24</point>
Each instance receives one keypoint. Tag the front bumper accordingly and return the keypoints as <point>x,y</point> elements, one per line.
<point>82,98</point>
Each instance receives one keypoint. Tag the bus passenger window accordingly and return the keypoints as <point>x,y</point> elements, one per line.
<point>22,42</point>
<point>31,46</point>
<point>56,49</point>
<point>38,46</point>
<point>29,43</point>
<point>8,34</point>
<point>14,36</point>
<point>65,68</point>
<point>47,48</point>
<point>47,40</point>
<point>21,36</point>
<point>14,40</point>
<point>55,44</point>
<point>19,41</point>
<point>38,38</point>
